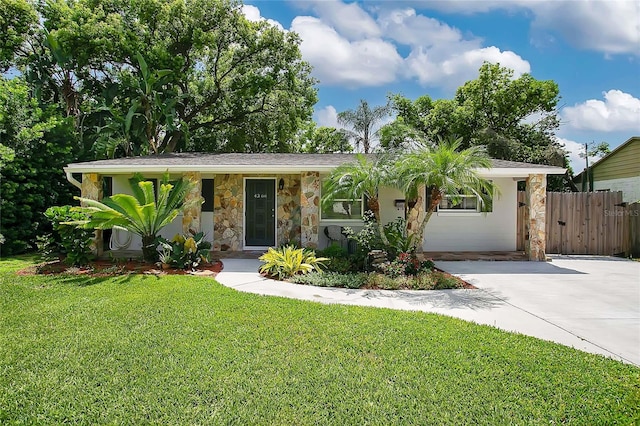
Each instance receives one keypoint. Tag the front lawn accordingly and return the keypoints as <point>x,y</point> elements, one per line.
<point>185,350</point>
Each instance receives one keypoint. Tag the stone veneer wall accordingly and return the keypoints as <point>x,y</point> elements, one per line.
<point>535,222</point>
<point>191,217</point>
<point>288,210</point>
<point>91,188</point>
<point>309,209</point>
<point>228,209</point>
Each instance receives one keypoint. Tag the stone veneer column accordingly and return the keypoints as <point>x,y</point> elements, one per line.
<point>288,212</point>
<point>191,216</point>
<point>535,222</point>
<point>91,188</point>
<point>309,208</point>
<point>228,213</point>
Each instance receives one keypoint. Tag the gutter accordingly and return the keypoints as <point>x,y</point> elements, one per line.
<point>73,181</point>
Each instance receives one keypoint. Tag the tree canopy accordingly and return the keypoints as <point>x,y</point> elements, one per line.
<point>514,118</point>
<point>149,76</point>
<point>361,122</point>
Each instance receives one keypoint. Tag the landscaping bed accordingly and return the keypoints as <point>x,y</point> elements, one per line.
<point>104,268</point>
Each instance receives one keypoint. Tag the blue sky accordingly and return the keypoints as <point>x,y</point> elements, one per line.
<point>368,49</point>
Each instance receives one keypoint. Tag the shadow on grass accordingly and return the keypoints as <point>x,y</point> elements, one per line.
<point>80,280</point>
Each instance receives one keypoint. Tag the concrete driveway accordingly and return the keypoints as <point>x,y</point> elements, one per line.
<point>591,298</point>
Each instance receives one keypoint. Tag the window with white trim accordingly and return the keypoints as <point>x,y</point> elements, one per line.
<point>460,203</point>
<point>342,208</point>
<point>468,203</point>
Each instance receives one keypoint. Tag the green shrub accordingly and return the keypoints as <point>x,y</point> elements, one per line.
<point>446,281</point>
<point>184,251</point>
<point>406,263</point>
<point>384,282</point>
<point>342,265</point>
<point>66,241</point>
<point>332,279</point>
<point>399,240</point>
<point>334,250</point>
<point>285,262</point>
<point>368,238</point>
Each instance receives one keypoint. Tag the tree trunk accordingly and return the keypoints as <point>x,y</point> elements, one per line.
<point>374,206</point>
<point>149,252</point>
<point>414,220</point>
<point>416,226</point>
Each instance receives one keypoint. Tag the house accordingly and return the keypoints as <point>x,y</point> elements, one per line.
<point>617,171</point>
<point>253,201</point>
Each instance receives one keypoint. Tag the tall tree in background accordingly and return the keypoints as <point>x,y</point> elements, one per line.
<point>514,118</point>
<point>34,147</point>
<point>221,82</point>
<point>323,140</point>
<point>361,122</point>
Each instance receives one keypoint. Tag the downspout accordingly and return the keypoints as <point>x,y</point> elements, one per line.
<point>73,181</point>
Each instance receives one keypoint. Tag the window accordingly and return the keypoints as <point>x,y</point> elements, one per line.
<point>343,208</point>
<point>465,203</point>
<point>460,203</point>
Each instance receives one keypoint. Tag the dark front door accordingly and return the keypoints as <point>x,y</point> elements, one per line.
<point>260,212</point>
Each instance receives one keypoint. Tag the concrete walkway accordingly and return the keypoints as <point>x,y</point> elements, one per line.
<point>589,303</point>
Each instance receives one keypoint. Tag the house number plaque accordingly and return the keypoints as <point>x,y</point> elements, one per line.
<point>259,195</point>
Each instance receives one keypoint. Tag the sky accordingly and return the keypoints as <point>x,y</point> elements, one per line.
<point>369,49</point>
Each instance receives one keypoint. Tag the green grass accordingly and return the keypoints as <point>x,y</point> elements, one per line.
<point>185,350</point>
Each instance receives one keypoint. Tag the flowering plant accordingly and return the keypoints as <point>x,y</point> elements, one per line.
<point>407,263</point>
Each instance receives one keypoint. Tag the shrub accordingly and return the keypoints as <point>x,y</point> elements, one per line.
<point>368,238</point>
<point>334,250</point>
<point>446,281</point>
<point>385,282</point>
<point>184,251</point>
<point>285,262</point>
<point>407,263</point>
<point>332,279</point>
<point>66,241</point>
<point>397,237</point>
<point>342,265</point>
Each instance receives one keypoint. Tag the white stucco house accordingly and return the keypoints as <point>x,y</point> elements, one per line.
<point>253,201</point>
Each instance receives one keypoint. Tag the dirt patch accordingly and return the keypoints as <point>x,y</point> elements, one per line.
<point>106,268</point>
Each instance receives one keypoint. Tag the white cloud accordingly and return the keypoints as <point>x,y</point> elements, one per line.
<point>252,13</point>
<point>327,116</point>
<point>619,111</point>
<point>574,149</point>
<point>350,20</point>
<point>608,26</point>
<point>440,54</point>
<point>407,27</point>
<point>611,26</point>
<point>336,60</point>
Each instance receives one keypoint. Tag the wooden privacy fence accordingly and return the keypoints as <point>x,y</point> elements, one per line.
<point>587,223</point>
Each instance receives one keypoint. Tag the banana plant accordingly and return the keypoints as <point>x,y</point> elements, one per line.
<point>141,213</point>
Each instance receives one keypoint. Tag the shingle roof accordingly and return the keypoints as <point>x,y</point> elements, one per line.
<point>233,159</point>
<point>261,160</point>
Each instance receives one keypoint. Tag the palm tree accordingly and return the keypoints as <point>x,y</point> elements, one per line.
<point>361,122</point>
<point>141,213</point>
<point>443,170</point>
<point>362,178</point>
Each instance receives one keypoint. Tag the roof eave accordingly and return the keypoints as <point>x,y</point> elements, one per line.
<point>513,172</point>
<point>521,172</point>
<point>212,169</point>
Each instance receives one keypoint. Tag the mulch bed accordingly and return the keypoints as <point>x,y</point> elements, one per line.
<point>106,268</point>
